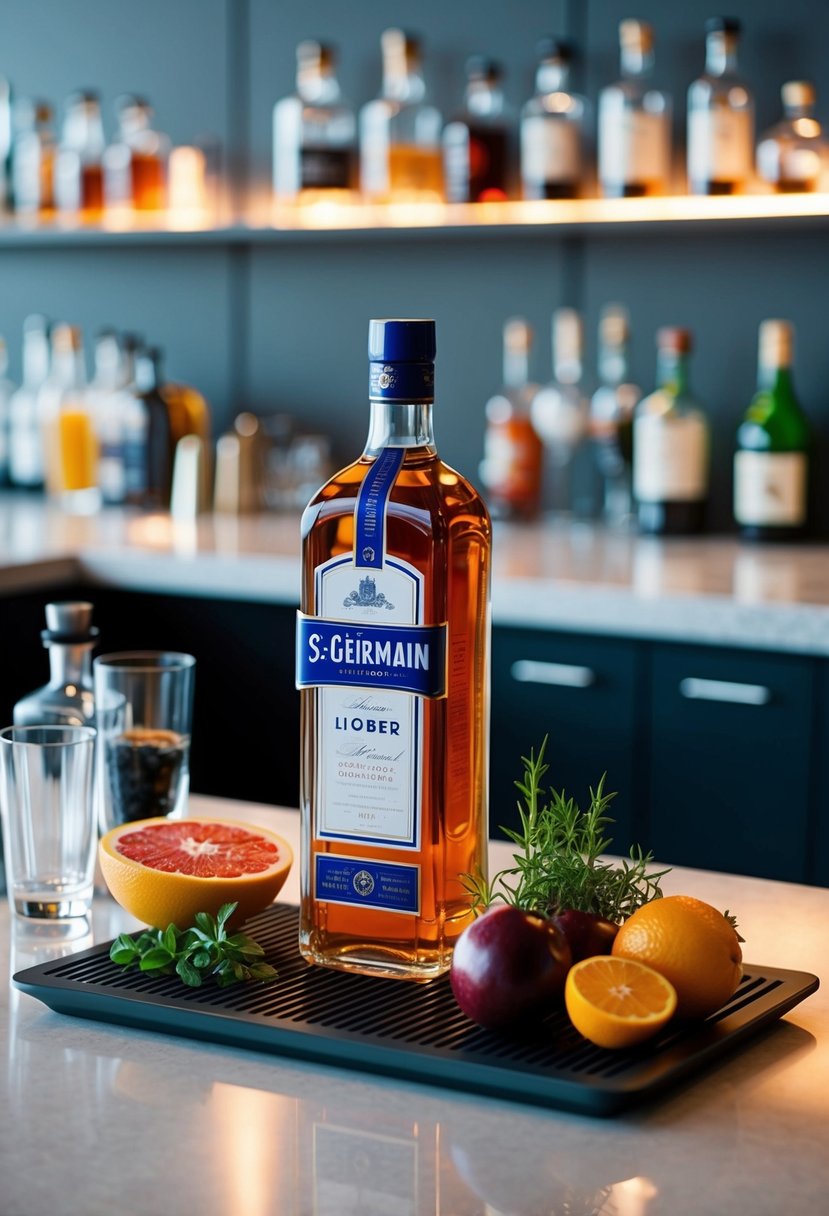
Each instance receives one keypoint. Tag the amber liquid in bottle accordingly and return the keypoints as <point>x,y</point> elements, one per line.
<point>147,174</point>
<point>437,522</point>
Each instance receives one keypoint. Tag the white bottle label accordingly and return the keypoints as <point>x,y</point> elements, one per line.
<point>719,145</point>
<point>633,145</point>
<point>550,150</point>
<point>770,488</point>
<point>670,458</point>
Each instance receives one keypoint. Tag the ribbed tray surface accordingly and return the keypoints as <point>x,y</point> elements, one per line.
<point>412,1031</point>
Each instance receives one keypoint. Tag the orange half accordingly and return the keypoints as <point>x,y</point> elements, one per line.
<point>616,1002</point>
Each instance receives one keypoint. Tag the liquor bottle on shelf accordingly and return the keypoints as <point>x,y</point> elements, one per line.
<point>794,155</point>
<point>25,438</point>
<point>69,444</point>
<point>513,452</point>
<point>68,698</point>
<point>135,165</point>
<point>552,128</point>
<point>720,116</point>
<point>314,132</point>
<point>158,470</point>
<point>395,560</point>
<point>7,389</point>
<point>400,148</point>
<point>476,144</point>
<point>6,134</point>
<point>671,445</point>
<point>559,414</point>
<point>79,173</point>
<point>106,403</point>
<point>634,128</point>
<point>611,415</point>
<point>33,164</point>
<point>772,458</point>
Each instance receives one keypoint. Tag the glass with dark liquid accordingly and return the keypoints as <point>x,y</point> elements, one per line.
<point>144,708</point>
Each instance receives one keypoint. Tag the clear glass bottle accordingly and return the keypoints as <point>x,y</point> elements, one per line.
<point>771,463</point>
<point>79,172</point>
<point>553,128</point>
<point>794,155</point>
<point>105,396</point>
<point>395,557</point>
<point>400,145</point>
<point>67,700</point>
<point>69,444</point>
<point>671,445</point>
<point>476,144</point>
<point>720,116</point>
<point>158,471</point>
<point>634,129</point>
<point>33,163</point>
<point>135,164</point>
<point>6,137</point>
<point>7,390</point>
<point>314,132</point>
<point>611,415</point>
<point>25,438</point>
<point>559,414</point>
<point>513,460</point>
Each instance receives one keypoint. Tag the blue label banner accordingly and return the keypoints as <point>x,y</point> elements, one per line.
<point>409,658</point>
<point>370,884</point>
<point>370,512</point>
<point>409,382</point>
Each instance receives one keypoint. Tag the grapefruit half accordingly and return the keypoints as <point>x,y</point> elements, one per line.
<point>164,871</point>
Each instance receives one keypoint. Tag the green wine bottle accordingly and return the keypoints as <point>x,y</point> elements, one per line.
<point>772,458</point>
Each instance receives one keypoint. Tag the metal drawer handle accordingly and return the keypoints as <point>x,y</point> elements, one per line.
<point>724,690</point>
<point>564,675</point>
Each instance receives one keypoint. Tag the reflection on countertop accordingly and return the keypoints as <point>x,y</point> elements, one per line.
<point>573,577</point>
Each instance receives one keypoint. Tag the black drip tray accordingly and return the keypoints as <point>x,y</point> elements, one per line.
<point>412,1031</point>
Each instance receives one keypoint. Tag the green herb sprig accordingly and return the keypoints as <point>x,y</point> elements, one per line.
<point>196,953</point>
<point>558,865</point>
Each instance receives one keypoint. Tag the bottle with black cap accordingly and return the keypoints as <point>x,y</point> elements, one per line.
<point>552,128</point>
<point>476,151</point>
<point>392,663</point>
<point>67,699</point>
<point>720,116</point>
<point>314,132</point>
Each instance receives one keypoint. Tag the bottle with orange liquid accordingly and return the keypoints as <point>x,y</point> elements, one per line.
<point>79,174</point>
<point>135,165</point>
<point>513,460</point>
<point>69,444</point>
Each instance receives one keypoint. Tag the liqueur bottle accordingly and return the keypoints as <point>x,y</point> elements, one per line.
<point>611,415</point>
<point>559,413</point>
<point>794,154</point>
<point>33,163</point>
<point>314,131</point>
<point>400,150</point>
<point>7,390</point>
<point>69,443</point>
<point>552,128</point>
<point>720,116</point>
<point>392,661</point>
<point>476,145</point>
<point>634,128</point>
<point>25,439</point>
<point>772,458</point>
<point>79,172</point>
<point>671,445</point>
<point>135,165</point>
<point>158,448</point>
<point>513,452</point>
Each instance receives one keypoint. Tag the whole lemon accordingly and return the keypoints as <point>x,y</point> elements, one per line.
<point>691,944</point>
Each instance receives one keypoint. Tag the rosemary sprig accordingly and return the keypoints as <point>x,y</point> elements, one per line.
<point>558,863</point>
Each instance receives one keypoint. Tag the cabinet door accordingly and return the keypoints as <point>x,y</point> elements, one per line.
<point>731,743</point>
<point>580,691</point>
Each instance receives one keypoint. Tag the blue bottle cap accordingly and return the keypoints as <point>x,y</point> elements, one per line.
<point>401,341</point>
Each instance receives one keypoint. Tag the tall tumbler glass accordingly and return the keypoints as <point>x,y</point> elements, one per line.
<point>46,796</point>
<point>143,712</point>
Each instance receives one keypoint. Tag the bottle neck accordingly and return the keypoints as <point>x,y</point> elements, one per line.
<point>516,367</point>
<point>721,54</point>
<point>552,76</point>
<point>403,82</point>
<point>613,365</point>
<point>70,664</point>
<point>317,87</point>
<point>35,359</point>
<point>400,424</point>
<point>776,379</point>
<point>484,100</point>
<point>636,60</point>
<point>672,371</point>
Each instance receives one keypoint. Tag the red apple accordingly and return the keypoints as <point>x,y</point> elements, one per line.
<point>587,933</point>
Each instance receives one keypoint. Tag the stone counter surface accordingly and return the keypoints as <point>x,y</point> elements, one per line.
<point>551,576</point>
<point>98,1119</point>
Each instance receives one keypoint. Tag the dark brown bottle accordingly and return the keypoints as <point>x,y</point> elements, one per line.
<point>159,451</point>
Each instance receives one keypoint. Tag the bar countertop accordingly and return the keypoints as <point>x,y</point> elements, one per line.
<point>577,577</point>
<point>98,1119</point>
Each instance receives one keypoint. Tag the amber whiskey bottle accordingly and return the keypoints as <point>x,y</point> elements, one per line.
<point>393,667</point>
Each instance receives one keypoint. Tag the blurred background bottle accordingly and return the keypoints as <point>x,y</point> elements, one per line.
<point>553,128</point>
<point>611,416</point>
<point>771,463</point>
<point>513,461</point>
<point>158,471</point>
<point>33,163</point>
<point>69,445</point>
<point>7,389</point>
<point>559,414</point>
<point>135,163</point>
<point>720,116</point>
<point>671,444</point>
<point>400,131</point>
<point>314,131</point>
<point>476,144</point>
<point>793,155</point>
<point>634,127</point>
<point>25,438</point>
<point>79,173</point>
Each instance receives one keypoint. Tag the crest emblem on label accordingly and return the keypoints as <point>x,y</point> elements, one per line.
<point>367,596</point>
<point>363,883</point>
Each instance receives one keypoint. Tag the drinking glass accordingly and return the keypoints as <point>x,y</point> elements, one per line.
<point>143,711</point>
<point>46,796</point>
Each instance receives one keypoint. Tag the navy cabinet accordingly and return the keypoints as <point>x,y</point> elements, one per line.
<point>582,693</point>
<point>730,762</point>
